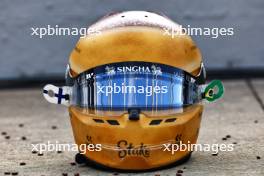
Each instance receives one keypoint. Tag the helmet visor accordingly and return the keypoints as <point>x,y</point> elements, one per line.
<point>142,85</point>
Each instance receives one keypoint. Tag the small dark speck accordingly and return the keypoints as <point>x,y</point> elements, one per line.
<point>34,152</point>
<point>40,154</point>
<point>146,16</point>
<point>49,7</point>
<point>77,49</point>
<point>4,39</point>
<point>228,136</point>
<point>224,139</point>
<point>193,47</point>
<point>115,173</point>
<point>73,163</point>
<point>230,64</point>
<point>256,121</point>
<point>54,127</point>
<point>7,173</point>
<point>214,154</point>
<point>21,125</point>
<point>59,151</point>
<point>180,171</point>
<point>184,167</point>
<point>122,16</point>
<point>3,133</point>
<point>258,157</point>
<point>22,164</point>
<point>234,142</point>
<point>76,174</point>
<point>14,173</point>
<point>7,137</point>
<point>64,174</point>
<point>23,138</point>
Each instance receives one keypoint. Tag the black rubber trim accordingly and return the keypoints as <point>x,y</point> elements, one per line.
<point>134,114</point>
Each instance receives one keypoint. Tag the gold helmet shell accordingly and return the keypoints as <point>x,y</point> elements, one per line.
<point>126,144</point>
<point>135,36</point>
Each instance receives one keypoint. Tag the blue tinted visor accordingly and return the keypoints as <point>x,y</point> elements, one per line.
<point>141,85</point>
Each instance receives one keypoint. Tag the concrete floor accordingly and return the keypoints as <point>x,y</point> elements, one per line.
<point>27,118</point>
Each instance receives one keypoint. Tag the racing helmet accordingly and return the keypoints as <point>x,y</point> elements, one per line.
<point>133,89</point>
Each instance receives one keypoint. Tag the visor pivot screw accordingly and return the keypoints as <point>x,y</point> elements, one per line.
<point>51,93</point>
<point>211,93</point>
<point>133,114</point>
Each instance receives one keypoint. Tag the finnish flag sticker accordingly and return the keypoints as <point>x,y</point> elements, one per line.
<point>57,95</point>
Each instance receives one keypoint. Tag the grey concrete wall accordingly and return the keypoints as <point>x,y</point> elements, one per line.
<point>25,56</point>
